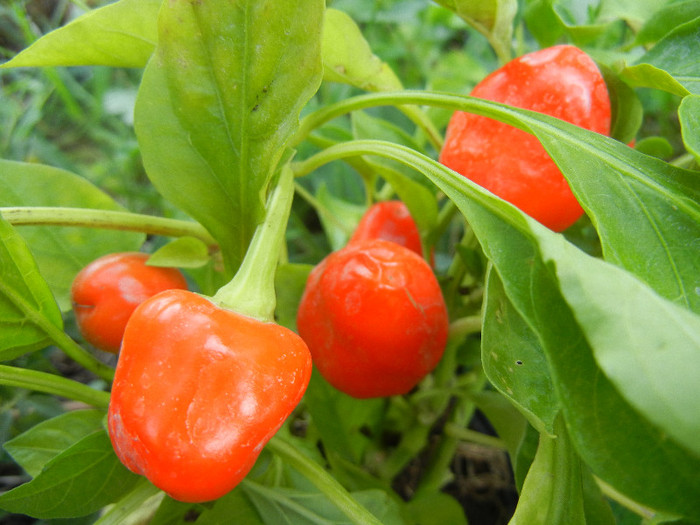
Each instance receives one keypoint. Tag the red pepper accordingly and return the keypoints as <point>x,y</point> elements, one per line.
<point>374,318</point>
<point>391,221</point>
<point>108,290</point>
<point>198,392</point>
<point>560,81</point>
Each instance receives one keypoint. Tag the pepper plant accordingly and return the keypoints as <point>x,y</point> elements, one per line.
<point>266,130</point>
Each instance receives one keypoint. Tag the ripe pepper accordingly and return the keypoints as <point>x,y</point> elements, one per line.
<point>199,390</point>
<point>108,290</point>
<point>374,318</point>
<point>561,81</point>
<point>391,221</point>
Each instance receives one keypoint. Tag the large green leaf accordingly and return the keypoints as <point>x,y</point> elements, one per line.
<point>655,368</point>
<point>25,298</point>
<point>122,34</point>
<point>619,187</point>
<point>61,252</point>
<point>512,355</point>
<point>79,481</point>
<point>674,55</point>
<point>40,444</point>
<point>218,101</point>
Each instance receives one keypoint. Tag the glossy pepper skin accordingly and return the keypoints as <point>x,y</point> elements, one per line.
<point>391,221</point>
<point>374,318</point>
<point>108,290</point>
<point>199,390</point>
<point>561,81</point>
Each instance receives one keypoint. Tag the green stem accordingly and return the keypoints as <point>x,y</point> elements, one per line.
<point>472,436</point>
<point>460,328</point>
<point>252,290</point>
<point>323,481</point>
<point>52,384</point>
<point>323,115</point>
<point>58,336</point>
<point>106,219</point>
<point>434,476</point>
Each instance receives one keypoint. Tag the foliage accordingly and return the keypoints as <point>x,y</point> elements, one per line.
<point>165,127</point>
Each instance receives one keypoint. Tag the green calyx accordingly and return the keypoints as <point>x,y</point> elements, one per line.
<point>252,290</point>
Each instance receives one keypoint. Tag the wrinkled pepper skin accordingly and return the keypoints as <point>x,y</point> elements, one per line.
<point>374,318</point>
<point>561,81</point>
<point>108,290</point>
<point>199,390</point>
<point>391,221</point>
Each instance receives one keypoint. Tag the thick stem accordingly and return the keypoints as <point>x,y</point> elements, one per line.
<point>106,219</point>
<point>52,384</point>
<point>324,482</point>
<point>252,291</point>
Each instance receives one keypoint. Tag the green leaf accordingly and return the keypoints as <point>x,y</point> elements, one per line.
<point>61,252</point>
<point>506,419</point>
<point>618,186</point>
<point>341,434</point>
<point>33,449</point>
<point>338,217</point>
<point>512,356</point>
<point>543,22</point>
<point>626,108</point>
<point>658,147</point>
<point>674,54</point>
<point>689,115</point>
<point>284,505</point>
<point>184,252</point>
<point>122,34</point>
<point>435,508</point>
<point>290,281</point>
<point>235,508</point>
<point>647,347</point>
<point>217,103</point>
<point>635,12</point>
<point>558,488</point>
<point>646,75</point>
<point>492,18</point>
<point>24,298</point>
<point>78,482</point>
<point>173,512</point>
<point>348,58</point>
<point>666,19</point>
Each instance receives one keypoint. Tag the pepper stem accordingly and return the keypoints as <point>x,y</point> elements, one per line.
<point>251,292</point>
